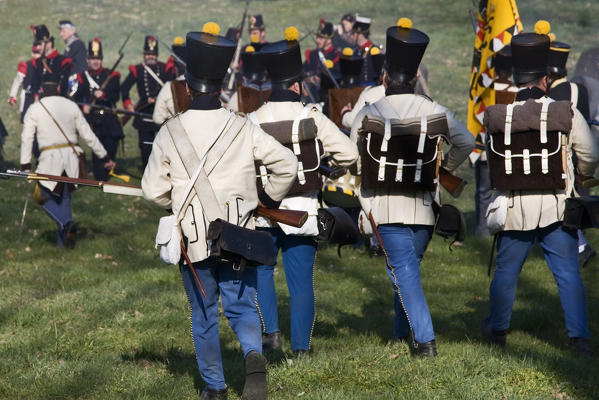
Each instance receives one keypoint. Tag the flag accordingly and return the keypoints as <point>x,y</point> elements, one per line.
<point>496,22</point>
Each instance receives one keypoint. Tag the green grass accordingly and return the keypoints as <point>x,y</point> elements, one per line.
<point>108,320</point>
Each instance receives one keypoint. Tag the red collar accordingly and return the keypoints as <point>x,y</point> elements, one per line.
<point>53,54</point>
<point>366,45</point>
<point>329,49</point>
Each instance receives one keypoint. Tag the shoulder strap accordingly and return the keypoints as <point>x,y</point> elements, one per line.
<point>153,75</point>
<point>574,94</point>
<point>60,128</point>
<point>190,159</point>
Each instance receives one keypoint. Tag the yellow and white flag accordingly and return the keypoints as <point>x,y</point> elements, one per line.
<point>496,22</point>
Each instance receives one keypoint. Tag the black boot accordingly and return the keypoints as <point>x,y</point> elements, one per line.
<point>271,341</point>
<point>427,349</point>
<point>213,394</point>
<point>581,347</point>
<point>70,231</point>
<point>255,387</point>
<point>497,338</point>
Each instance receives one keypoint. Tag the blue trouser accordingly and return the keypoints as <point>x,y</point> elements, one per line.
<point>405,245</point>
<point>238,294</point>
<point>561,254</point>
<point>299,253</point>
<point>59,209</point>
<point>482,196</point>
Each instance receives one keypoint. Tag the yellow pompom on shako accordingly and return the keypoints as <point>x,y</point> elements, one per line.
<point>178,41</point>
<point>405,23</point>
<point>542,27</point>
<point>348,52</point>
<point>374,51</point>
<point>329,64</point>
<point>291,34</point>
<point>249,49</point>
<point>211,28</point>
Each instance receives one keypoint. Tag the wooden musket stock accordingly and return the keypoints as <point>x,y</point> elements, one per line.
<point>453,184</point>
<point>293,218</point>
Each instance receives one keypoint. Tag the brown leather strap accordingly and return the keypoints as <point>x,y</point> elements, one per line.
<point>60,128</point>
<point>193,271</point>
<point>46,65</point>
<point>377,234</point>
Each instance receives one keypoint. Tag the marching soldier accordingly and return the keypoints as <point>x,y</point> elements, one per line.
<point>363,47</point>
<point>25,79</point>
<point>324,36</point>
<point>100,86</point>
<point>56,121</point>
<point>173,98</point>
<point>394,190</point>
<point>315,136</point>
<point>254,89</point>
<point>533,183</point>
<point>51,66</point>
<point>343,32</point>
<point>75,50</point>
<point>561,89</point>
<point>257,31</point>
<point>233,182</point>
<point>149,77</point>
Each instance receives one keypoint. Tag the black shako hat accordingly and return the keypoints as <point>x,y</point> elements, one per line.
<point>256,22</point>
<point>94,49</point>
<point>151,45</point>
<point>325,29</point>
<point>362,25</point>
<point>378,60</point>
<point>208,57</point>
<point>283,60</point>
<point>405,49</point>
<point>40,33</point>
<point>557,58</point>
<point>503,60</point>
<point>529,57</point>
<point>179,49</point>
<point>253,64</point>
<point>350,67</point>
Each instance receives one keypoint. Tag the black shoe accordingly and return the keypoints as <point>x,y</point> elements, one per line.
<point>427,349</point>
<point>255,387</point>
<point>212,394</point>
<point>581,347</point>
<point>271,341</point>
<point>585,255</point>
<point>70,230</point>
<point>497,338</point>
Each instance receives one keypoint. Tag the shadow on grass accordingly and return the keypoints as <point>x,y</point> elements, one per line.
<point>180,363</point>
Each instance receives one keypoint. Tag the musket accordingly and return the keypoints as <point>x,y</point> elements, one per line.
<point>310,95</point>
<point>116,64</point>
<point>115,110</point>
<point>106,187</point>
<point>294,218</point>
<point>453,184</point>
<point>168,48</point>
<point>235,65</point>
<point>594,122</point>
<point>323,62</point>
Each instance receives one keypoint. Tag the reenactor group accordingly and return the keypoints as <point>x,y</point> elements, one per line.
<point>211,157</point>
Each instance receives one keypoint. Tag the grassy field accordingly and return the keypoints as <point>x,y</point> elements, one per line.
<point>107,320</point>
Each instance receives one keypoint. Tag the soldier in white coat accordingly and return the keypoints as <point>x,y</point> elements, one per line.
<point>56,121</point>
<point>166,107</point>
<point>527,208</point>
<point>401,208</point>
<point>311,135</point>
<point>233,180</point>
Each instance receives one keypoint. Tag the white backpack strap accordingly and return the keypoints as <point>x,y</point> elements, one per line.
<point>574,94</point>
<point>507,136</point>
<point>543,127</point>
<point>423,132</point>
<point>252,117</point>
